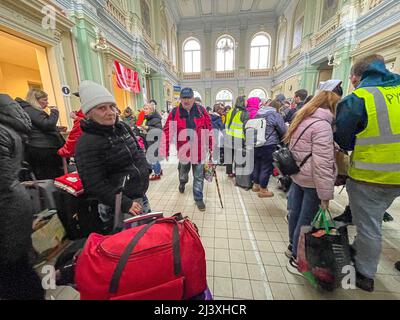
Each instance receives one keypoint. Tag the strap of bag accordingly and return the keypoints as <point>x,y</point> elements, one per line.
<point>306,130</point>
<point>308,156</point>
<point>114,284</point>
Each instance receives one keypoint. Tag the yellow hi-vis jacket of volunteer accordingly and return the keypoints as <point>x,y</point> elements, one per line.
<point>234,127</point>
<point>376,156</point>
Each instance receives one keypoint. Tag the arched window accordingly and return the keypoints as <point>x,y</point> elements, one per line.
<point>197,94</point>
<point>192,56</point>
<point>298,24</point>
<point>225,53</point>
<point>146,20</point>
<point>260,93</point>
<point>260,51</point>
<point>224,96</point>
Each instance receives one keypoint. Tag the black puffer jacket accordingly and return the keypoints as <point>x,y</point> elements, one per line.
<point>15,209</point>
<point>154,122</point>
<point>44,127</point>
<point>104,156</point>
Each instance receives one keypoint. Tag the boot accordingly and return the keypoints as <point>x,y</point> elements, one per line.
<point>256,188</point>
<point>264,193</point>
<point>387,217</point>
<point>345,217</point>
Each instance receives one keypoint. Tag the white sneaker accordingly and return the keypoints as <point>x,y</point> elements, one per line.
<point>293,268</point>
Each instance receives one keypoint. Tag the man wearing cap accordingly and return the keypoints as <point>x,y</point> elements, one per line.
<point>367,123</point>
<point>190,125</point>
<point>107,152</point>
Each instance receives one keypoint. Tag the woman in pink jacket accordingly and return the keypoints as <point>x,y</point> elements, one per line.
<point>253,105</point>
<point>311,136</point>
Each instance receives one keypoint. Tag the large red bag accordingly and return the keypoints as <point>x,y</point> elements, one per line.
<point>164,260</point>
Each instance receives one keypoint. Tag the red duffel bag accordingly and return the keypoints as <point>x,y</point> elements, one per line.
<point>163,260</point>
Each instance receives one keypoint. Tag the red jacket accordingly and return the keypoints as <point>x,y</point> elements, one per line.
<point>175,129</point>
<point>68,150</point>
<point>140,119</point>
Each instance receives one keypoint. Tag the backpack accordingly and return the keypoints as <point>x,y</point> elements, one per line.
<point>284,160</point>
<point>259,127</point>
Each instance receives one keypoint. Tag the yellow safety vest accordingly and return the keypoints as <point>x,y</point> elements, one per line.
<point>376,156</point>
<point>234,129</point>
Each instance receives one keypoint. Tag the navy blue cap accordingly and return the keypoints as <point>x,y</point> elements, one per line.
<point>187,93</point>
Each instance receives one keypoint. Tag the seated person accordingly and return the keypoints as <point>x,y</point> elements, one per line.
<point>107,152</point>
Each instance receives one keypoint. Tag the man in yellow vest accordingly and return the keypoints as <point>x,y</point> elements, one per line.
<point>235,121</point>
<point>368,124</point>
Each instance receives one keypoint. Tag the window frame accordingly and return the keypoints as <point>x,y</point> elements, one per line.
<point>268,46</point>
<point>233,54</point>
<point>192,55</point>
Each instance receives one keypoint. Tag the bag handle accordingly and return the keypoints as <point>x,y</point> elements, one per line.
<point>323,221</point>
<point>116,277</point>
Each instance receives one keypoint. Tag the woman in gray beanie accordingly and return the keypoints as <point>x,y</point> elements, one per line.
<point>107,152</point>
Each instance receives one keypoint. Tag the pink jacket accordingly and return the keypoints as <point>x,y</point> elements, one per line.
<point>253,105</point>
<point>319,171</point>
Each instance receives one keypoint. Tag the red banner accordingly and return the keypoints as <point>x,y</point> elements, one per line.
<point>127,79</point>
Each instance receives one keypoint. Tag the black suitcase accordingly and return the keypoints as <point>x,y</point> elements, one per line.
<point>79,215</point>
<point>243,178</point>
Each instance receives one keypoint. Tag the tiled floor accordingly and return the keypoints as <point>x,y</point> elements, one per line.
<point>245,242</point>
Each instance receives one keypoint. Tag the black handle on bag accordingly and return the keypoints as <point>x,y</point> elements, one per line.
<point>176,247</point>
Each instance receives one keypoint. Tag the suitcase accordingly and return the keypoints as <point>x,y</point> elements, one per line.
<point>126,265</point>
<point>79,215</point>
<point>243,179</point>
<point>41,193</point>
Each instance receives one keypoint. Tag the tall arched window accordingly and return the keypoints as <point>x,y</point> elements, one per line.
<point>260,51</point>
<point>260,93</point>
<point>192,56</point>
<point>225,96</point>
<point>225,53</point>
<point>298,24</point>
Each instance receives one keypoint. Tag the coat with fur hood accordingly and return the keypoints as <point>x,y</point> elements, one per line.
<point>15,210</point>
<point>319,171</point>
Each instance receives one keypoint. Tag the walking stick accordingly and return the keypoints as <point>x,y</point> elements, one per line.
<point>219,191</point>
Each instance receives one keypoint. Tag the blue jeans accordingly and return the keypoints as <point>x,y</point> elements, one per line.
<point>263,165</point>
<point>157,168</point>
<point>198,178</point>
<point>303,205</point>
<point>368,205</point>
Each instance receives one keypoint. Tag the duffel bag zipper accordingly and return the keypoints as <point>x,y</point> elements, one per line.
<point>136,253</point>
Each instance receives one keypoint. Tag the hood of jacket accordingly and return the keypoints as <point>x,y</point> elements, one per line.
<point>11,114</point>
<point>378,75</point>
<point>154,115</point>
<point>253,105</point>
<point>264,110</point>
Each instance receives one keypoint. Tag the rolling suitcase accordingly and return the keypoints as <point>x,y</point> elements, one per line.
<point>41,192</point>
<point>243,178</point>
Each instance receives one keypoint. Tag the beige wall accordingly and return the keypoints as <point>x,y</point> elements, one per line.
<point>14,79</point>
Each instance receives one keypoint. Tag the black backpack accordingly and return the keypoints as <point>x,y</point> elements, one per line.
<point>283,158</point>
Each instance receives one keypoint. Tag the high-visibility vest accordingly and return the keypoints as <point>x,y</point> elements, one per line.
<point>376,156</point>
<point>234,127</point>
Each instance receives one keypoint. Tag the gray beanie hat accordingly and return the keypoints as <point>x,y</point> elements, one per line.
<point>93,94</point>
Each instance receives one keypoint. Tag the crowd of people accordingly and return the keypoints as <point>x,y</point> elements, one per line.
<point>109,148</point>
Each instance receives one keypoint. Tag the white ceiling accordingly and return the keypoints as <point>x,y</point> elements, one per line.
<point>215,8</point>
